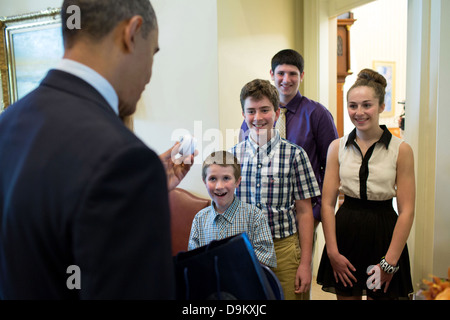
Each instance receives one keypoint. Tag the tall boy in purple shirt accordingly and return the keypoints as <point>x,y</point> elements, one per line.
<point>308,123</point>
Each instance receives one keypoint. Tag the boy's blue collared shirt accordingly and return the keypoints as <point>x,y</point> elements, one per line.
<point>209,225</point>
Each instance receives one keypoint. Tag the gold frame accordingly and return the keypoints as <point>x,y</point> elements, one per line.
<point>15,25</point>
<point>387,69</point>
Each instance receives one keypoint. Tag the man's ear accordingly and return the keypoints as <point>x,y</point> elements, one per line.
<point>131,31</point>
<point>302,75</point>
<point>272,76</point>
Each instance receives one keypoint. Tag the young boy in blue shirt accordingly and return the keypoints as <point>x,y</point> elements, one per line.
<point>227,215</point>
<point>278,178</point>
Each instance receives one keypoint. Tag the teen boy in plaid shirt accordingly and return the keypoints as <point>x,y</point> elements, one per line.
<point>278,178</point>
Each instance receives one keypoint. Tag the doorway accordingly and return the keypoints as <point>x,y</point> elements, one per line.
<point>378,41</point>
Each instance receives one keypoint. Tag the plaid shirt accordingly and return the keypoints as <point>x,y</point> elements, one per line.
<point>208,225</point>
<point>273,177</point>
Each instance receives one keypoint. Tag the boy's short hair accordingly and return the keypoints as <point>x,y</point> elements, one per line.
<point>257,89</point>
<point>223,159</point>
<point>288,56</point>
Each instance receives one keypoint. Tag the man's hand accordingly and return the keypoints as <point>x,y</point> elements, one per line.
<point>303,278</point>
<point>176,168</point>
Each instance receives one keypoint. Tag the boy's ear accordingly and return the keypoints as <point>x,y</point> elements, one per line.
<point>238,182</point>
<point>277,113</point>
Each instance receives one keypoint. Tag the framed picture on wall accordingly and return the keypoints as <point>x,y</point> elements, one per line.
<point>30,45</point>
<point>387,69</point>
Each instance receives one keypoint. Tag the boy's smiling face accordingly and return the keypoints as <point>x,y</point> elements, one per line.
<point>221,183</point>
<point>287,79</point>
<point>260,116</point>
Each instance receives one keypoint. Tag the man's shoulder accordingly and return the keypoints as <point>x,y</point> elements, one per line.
<point>313,105</point>
<point>87,123</point>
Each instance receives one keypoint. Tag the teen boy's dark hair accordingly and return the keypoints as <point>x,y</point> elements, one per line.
<point>288,56</point>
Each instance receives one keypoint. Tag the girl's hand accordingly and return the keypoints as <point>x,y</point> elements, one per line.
<point>342,269</point>
<point>378,278</point>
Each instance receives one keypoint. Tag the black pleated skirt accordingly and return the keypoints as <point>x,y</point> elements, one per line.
<point>364,231</point>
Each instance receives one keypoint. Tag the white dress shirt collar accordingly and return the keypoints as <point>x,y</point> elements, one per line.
<point>93,78</point>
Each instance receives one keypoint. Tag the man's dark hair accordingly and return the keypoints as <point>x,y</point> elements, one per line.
<point>100,17</point>
<point>288,56</point>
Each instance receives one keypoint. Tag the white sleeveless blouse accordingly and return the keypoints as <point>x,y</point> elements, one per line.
<point>371,178</point>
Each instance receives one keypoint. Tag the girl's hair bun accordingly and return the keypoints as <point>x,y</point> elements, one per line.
<point>372,79</point>
<point>371,75</point>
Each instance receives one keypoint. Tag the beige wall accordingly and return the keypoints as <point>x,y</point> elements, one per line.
<point>441,241</point>
<point>427,130</point>
<point>16,7</point>
<point>250,32</point>
<point>183,93</point>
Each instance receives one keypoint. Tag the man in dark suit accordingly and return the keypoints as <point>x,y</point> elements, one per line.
<point>84,210</point>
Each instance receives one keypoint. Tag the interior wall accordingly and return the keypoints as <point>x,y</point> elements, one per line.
<point>248,37</point>
<point>384,41</point>
<point>338,7</point>
<point>426,127</point>
<point>320,46</point>
<point>441,257</point>
<point>26,6</point>
<point>183,93</point>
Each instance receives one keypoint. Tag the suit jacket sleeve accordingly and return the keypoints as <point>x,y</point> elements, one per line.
<point>123,242</point>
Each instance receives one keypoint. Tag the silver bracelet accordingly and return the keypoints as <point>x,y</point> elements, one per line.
<point>386,267</point>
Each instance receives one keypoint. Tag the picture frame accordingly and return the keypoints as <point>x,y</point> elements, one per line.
<point>387,69</point>
<point>30,45</point>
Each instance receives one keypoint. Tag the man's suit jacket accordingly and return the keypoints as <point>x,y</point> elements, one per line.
<point>77,188</point>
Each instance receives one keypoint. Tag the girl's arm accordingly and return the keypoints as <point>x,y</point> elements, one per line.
<point>406,195</point>
<point>341,266</point>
